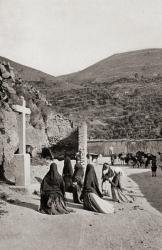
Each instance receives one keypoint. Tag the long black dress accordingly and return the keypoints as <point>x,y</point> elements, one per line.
<point>91,193</point>
<point>52,193</point>
<point>67,174</point>
<point>77,181</point>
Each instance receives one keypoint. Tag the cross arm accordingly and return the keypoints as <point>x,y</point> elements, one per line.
<point>21,109</point>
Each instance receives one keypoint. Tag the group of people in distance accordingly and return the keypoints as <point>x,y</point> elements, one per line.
<point>87,192</point>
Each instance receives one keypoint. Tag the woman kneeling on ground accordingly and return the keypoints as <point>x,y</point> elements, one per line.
<point>77,181</point>
<point>53,193</point>
<point>118,192</point>
<point>91,195</point>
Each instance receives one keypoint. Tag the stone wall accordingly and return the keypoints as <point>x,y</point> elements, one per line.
<point>147,145</point>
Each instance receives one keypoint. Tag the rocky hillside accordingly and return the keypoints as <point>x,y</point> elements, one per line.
<point>45,127</point>
<point>120,96</point>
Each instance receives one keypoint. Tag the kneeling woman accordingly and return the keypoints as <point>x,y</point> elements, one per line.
<point>91,195</point>
<point>118,192</point>
<point>77,181</point>
<point>52,193</point>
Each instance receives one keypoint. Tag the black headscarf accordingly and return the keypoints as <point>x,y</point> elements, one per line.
<point>90,181</point>
<point>53,182</point>
<point>67,170</point>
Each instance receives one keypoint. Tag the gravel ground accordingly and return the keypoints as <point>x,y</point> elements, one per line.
<point>135,225</point>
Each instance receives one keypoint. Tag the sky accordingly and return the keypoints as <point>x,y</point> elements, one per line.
<point>65,36</point>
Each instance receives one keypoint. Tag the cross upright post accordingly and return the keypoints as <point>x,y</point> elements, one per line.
<point>22,124</point>
<point>23,141</point>
<point>22,160</point>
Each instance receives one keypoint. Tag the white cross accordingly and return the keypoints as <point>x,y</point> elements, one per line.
<point>22,124</point>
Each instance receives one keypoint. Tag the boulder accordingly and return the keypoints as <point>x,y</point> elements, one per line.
<point>58,127</point>
<point>8,139</point>
<point>37,138</point>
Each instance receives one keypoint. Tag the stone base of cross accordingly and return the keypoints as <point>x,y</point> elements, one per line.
<point>22,169</point>
<point>22,160</point>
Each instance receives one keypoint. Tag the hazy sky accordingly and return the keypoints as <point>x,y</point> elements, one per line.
<point>62,36</point>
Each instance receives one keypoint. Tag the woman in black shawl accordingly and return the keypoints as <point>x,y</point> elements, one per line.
<point>77,181</point>
<point>52,193</point>
<point>91,195</point>
<point>67,174</point>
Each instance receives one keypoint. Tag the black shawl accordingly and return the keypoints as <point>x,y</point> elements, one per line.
<point>91,182</point>
<point>78,172</point>
<point>53,183</point>
<point>67,170</point>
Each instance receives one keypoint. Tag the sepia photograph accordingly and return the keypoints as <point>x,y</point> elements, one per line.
<point>81,125</point>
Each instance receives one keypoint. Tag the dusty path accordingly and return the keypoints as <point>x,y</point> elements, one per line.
<point>132,226</point>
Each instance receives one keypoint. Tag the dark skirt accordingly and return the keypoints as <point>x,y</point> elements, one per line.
<point>120,196</point>
<point>77,193</point>
<point>154,168</point>
<point>94,203</point>
<point>53,204</point>
<point>68,183</point>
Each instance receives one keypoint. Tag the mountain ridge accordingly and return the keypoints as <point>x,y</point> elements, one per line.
<point>100,67</point>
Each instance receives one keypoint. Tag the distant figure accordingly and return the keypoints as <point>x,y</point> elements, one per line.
<point>77,180</point>
<point>159,160</point>
<point>148,161</point>
<point>118,194</point>
<point>92,195</point>
<point>113,158</point>
<point>53,193</point>
<point>67,174</point>
<point>111,150</point>
<point>153,166</point>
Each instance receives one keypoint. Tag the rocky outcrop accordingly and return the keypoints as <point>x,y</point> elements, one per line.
<point>44,127</point>
<point>36,138</point>
<point>58,127</point>
<point>9,134</point>
<point>8,139</point>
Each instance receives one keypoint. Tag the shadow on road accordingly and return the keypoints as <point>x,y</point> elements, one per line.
<point>151,187</point>
<point>25,204</point>
<point>71,204</point>
<point>17,202</point>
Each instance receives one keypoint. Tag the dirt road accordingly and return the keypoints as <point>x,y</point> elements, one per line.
<point>136,225</point>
